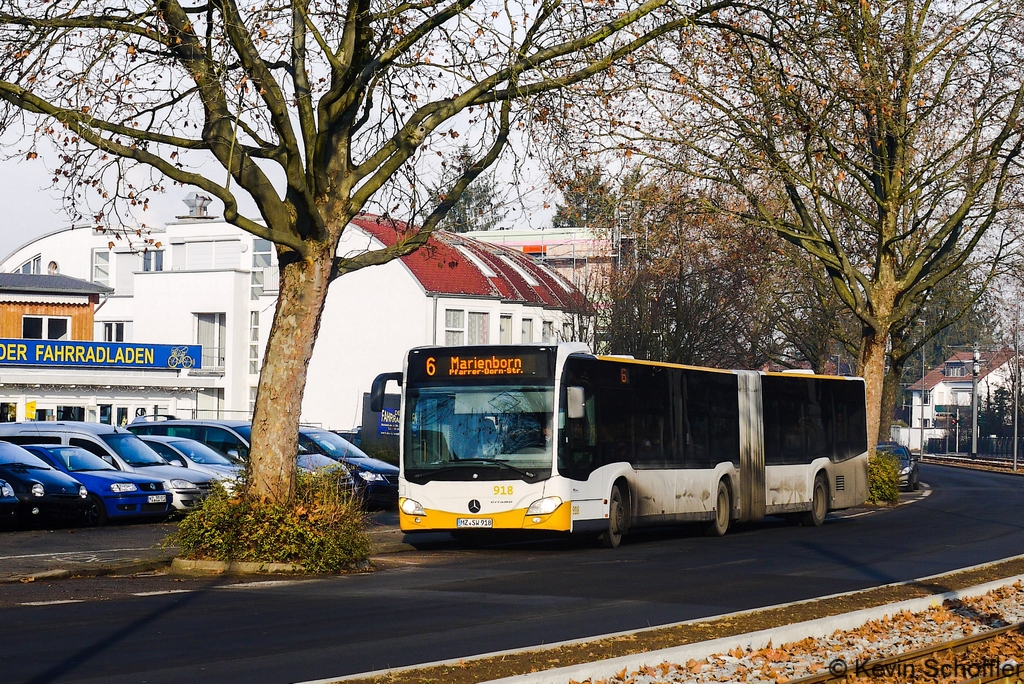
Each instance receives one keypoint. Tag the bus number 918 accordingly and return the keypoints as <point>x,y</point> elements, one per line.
<point>501,490</point>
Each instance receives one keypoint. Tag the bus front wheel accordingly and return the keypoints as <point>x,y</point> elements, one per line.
<point>719,524</point>
<point>819,504</point>
<point>618,520</point>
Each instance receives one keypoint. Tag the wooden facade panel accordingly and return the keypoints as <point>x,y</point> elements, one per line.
<point>81,318</point>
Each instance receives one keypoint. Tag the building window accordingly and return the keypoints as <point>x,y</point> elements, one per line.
<point>122,415</point>
<point>252,400</point>
<point>113,332</point>
<point>45,328</point>
<point>479,328</point>
<point>527,335</point>
<point>75,413</point>
<point>105,416</point>
<point>547,332</point>
<point>505,329</point>
<point>955,371</point>
<point>262,251</point>
<point>454,327</point>
<point>566,331</point>
<point>254,342</point>
<point>101,267</point>
<point>32,266</point>
<point>153,260</point>
<point>211,333</point>
<point>8,412</point>
<point>926,397</point>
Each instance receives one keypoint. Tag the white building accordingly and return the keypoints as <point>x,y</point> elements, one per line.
<point>942,399</point>
<point>200,280</point>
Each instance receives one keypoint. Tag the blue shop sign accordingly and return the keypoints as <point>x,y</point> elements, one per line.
<point>99,354</point>
<point>388,422</point>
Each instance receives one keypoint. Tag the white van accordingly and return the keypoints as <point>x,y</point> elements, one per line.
<point>119,448</point>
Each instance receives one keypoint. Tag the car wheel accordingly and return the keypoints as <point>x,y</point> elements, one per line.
<point>96,513</point>
<point>618,520</point>
<point>719,525</point>
<point>819,504</point>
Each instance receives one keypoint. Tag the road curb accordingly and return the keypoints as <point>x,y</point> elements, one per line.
<point>821,627</point>
<point>183,565</point>
<point>98,571</point>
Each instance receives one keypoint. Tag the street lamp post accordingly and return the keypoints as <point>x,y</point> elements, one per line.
<point>975,369</point>
<point>923,390</point>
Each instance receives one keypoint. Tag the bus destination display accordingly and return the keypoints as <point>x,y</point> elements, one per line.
<point>433,366</point>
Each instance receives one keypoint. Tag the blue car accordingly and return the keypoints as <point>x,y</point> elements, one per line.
<point>43,492</point>
<point>113,494</point>
<point>376,482</point>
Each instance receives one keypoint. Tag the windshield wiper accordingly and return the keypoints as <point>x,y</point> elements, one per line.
<point>27,466</point>
<point>503,464</point>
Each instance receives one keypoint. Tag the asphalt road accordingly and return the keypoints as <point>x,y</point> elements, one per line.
<point>452,602</point>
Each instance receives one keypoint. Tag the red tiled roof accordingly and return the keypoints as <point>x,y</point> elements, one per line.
<point>990,361</point>
<point>441,267</point>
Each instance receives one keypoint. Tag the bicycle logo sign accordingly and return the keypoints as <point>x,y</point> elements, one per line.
<point>179,358</point>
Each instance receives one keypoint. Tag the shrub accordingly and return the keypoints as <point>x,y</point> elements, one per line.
<point>322,529</point>
<point>884,479</point>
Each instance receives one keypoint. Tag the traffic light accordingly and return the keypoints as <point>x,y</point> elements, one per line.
<point>952,421</point>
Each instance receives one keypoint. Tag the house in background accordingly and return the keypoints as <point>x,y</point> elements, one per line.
<point>201,281</point>
<point>942,399</point>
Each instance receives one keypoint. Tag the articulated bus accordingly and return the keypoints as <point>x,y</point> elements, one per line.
<point>553,438</point>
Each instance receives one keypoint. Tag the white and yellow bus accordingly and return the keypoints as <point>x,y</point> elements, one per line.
<point>553,438</point>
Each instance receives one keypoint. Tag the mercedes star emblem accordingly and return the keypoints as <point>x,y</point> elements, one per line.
<point>474,506</point>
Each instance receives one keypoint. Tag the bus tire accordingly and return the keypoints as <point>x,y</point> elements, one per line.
<point>819,503</point>
<point>618,520</point>
<point>719,524</point>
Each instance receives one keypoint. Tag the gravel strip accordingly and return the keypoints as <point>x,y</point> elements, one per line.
<point>874,640</point>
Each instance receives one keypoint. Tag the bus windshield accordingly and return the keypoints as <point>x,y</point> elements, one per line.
<point>490,432</point>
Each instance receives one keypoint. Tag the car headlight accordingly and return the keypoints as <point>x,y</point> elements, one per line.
<point>37,490</point>
<point>6,489</point>
<point>83,492</point>
<point>183,484</point>
<point>124,487</point>
<point>545,506</point>
<point>371,477</point>
<point>905,471</point>
<point>410,507</point>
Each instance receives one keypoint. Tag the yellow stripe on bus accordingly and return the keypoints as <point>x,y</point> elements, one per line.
<point>516,519</point>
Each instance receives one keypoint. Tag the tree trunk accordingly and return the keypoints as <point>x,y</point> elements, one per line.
<point>275,424</point>
<point>890,395</point>
<point>872,369</point>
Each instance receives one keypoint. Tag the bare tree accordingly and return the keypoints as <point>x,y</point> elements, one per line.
<point>313,111</point>
<point>882,137</point>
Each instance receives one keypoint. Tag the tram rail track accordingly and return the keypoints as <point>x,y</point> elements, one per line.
<point>932,658</point>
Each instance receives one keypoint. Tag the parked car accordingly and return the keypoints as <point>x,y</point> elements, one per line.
<point>43,492</point>
<point>375,481</point>
<point>194,455</point>
<point>9,506</point>
<point>230,437</point>
<point>910,476</point>
<point>119,448</point>
<point>112,494</point>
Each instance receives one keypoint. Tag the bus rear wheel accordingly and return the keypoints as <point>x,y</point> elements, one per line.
<point>719,524</point>
<point>618,520</point>
<point>819,504</point>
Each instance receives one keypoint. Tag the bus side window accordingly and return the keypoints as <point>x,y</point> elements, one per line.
<point>652,419</point>
<point>615,425</point>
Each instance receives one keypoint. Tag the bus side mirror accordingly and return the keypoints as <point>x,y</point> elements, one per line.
<point>574,403</point>
<point>377,390</point>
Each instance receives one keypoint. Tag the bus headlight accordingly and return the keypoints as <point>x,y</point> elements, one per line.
<point>545,506</point>
<point>410,507</point>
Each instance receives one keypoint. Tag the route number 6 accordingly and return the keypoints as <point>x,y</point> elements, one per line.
<point>431,366</point>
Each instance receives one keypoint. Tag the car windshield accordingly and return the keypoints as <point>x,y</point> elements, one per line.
<point>133,450</point>
<point>200,453</point>
<point>450,427</point>
<point>899,452</point>
<point>79,460</point>
<point>333,445</point>
<point>316,462</point>
<point>18,456</point>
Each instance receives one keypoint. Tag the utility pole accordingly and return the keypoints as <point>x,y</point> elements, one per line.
<point>923,390</point>
<point>975,369</point>
<point>1016,382</point>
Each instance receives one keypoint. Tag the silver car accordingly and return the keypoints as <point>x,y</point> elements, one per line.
<point>196,456</point>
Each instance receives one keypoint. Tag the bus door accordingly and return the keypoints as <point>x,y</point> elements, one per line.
<point>752,479</point>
